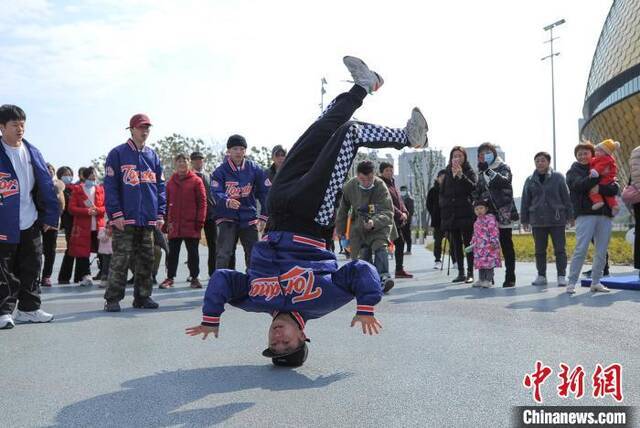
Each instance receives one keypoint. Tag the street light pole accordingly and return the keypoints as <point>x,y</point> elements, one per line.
<point>323,82</point>
<point>553,90</point>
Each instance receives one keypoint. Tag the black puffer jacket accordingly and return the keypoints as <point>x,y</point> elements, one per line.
<point>433,205</point>
<point>494,185</point>
<point>580,183</point>
<point>455,198</point>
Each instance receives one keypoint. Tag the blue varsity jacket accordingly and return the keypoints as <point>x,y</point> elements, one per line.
<point>246,183</point>
<point>43,194</point>
<point>295,274</point>
<point>134,186</point>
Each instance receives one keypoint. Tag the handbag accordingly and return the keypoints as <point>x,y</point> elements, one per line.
<point>631,195</point>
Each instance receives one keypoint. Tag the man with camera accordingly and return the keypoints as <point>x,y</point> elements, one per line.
<point>371,220</point>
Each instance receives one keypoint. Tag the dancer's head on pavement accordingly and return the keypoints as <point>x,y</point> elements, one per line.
<point>139,125</point>
<point>278,154</point>
<point>236,149</point>
<point>287,341</point>
<point>12,124</point>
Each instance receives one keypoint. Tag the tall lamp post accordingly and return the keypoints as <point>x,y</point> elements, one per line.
<point>550,28</point>
<point>323,91</point>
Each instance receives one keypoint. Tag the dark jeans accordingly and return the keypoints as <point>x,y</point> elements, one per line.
<point>49,242</point>
<point>509,254</point>
<point>399,251</point>
<point>66,269</point>
<point>228,235</point>
<point>83,265</point>
<point>461,238</point>
<point>211,234</point>
<point>380,259</point>
<point>193,258</point>
<point>438,236</point>
<point>19,270</point>
<point>406,234</point>
<point>541,239</point>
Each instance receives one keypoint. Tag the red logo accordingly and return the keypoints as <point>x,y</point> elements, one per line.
<point>8,187</point>
<point>298,280</point>
<point>130,175</point>
<point>608,381</point>
<point>235,191</point>
<point>148,176</point>
<point>536,379</point>
<point>571,382</point>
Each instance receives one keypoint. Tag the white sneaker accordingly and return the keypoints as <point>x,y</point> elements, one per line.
<point>486,284</point>
<point>562,281</point>
<point>417,129</point>
<point>599,287</point>
<point>362,75</point>
<point>86,281</point>
<point>437,265</point>
<point>6,322</point>
<point>38,316</point>
<point>478,283</point>
<point>540,280</point>
<point>571,288</point>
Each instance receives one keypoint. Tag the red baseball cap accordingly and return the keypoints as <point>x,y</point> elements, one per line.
<point>138,120</point>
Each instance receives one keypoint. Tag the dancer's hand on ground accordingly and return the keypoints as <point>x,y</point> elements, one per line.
<point>234,204</point>
<point>370,324</point>
<point>202,329</point>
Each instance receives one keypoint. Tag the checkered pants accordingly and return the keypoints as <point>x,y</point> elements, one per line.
<point>359,134</point>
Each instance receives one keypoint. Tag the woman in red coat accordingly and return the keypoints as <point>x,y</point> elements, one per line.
<point>87,207</point>
<point>186,211</point>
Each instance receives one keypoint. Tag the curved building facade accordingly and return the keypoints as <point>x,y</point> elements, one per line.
<point>612,100</point>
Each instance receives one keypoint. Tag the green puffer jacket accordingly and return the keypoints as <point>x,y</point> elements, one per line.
<point>374,204</point>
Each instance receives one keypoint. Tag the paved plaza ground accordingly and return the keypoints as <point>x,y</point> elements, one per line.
<point>449,355</point>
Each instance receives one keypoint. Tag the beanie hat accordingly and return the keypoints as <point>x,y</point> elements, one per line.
<point>609,146</point>
<point>236,140</point>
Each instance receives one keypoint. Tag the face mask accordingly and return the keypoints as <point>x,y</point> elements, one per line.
<point>67,179</point>
<point>365,188</point>
<point>89,183</point>
<point>403,192</point>
<point>488,158</point>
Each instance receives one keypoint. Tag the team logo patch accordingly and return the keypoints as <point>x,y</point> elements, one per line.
<point>8,186</point>
<point>110,172</point>
<point>235,191</point>
<point>298,281</point>
<point>215,184</point>
<point>267,182</point>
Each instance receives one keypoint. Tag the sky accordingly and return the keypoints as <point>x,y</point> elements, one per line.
<point>209,69</point>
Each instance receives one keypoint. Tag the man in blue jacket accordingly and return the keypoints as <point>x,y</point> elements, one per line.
<point>27,203</point>
<point>135,202</point>
<point>292,276</point>
<point>236,185</point>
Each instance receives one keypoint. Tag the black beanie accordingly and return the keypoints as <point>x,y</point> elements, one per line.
<point>236,140</point>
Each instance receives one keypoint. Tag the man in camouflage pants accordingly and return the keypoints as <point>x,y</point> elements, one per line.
<point>135,202</point>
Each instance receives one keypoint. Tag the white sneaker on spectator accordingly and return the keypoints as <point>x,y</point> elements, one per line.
<point>437,265</point>
<point>540,280</point>
<point>571,288</point>
<point>486,284</point>
<point>562,281</point>
<point>86,281</point>
<point>38,316</point>
<point>599,287</point>
<point>478,283</point>
<point>6,322</point>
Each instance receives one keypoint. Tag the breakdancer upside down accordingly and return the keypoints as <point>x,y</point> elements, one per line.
<point>291,275</point>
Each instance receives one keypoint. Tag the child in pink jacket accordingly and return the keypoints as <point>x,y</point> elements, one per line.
<point>486,244</point>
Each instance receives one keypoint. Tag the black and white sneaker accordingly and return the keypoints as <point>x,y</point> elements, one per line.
<point>417,129</point>
<point>362,75</point>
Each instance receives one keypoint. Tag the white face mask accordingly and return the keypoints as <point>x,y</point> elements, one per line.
<point>365,188</point>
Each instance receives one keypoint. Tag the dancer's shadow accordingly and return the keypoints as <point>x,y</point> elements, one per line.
<point>127,312</point>
<point>155,400</point>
